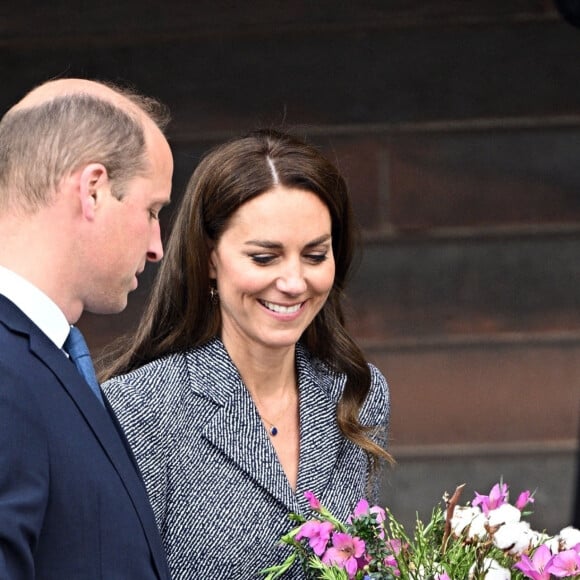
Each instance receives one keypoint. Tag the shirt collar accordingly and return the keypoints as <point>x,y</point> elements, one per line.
<point>35,304</point>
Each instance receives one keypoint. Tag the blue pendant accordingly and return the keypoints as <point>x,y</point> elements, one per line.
<point>273,431</point>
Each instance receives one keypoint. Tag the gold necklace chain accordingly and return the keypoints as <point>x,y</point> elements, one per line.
<point>271,427</point>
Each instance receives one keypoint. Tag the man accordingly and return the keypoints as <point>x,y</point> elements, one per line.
<point>84,171</point>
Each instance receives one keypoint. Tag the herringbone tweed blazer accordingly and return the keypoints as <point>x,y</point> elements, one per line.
<point>219,494</point>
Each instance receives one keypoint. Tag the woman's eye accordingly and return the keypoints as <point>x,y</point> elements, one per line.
<point>262,259</point>
<point>316,258</point>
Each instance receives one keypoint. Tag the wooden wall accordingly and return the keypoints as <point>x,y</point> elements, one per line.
<point>457,125</point>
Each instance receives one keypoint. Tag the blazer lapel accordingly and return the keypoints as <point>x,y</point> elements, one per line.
<point>321,441</point>
<point>109,434</point>
<point>237,431</point>
<point>236,428</point>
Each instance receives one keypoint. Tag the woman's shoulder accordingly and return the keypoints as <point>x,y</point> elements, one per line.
<point>204,371</point>
<point>333,381</point>
<point>156,371</point>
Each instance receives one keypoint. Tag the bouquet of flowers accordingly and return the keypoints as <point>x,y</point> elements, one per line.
<point>486,539</point>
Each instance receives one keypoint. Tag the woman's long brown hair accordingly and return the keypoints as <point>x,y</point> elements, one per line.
<point>179,314</point>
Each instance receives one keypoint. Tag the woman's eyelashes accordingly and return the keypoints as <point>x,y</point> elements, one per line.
<point>265,259</point>
<point>317,258</point>
<point>262,259</point>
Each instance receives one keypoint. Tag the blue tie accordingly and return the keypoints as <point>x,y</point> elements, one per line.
<point>79,354</point>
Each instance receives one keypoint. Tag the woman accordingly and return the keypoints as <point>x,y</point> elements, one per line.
<point>241,390</point>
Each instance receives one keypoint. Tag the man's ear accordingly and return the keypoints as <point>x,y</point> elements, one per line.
<point>93,184</point>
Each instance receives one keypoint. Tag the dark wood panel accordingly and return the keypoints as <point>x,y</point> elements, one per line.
<point>460,287</point>
<point>369,77</point>
<point>485,178</point>
<point>61,21</point>
<point>424,182</point>
<point>473,395</point>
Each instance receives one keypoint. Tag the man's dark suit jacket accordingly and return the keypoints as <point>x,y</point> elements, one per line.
<point>72,503</point>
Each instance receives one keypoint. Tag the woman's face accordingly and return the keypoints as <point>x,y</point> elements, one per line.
<point>274,268</point>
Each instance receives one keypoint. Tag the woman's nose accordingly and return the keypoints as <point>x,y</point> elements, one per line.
<point>291,279</point>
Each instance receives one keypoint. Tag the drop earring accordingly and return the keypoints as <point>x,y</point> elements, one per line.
<point>213,295</point>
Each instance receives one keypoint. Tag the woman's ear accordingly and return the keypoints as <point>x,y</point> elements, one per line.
<point>212,260</point>
<point>93,184</point>
<point>212,265</point>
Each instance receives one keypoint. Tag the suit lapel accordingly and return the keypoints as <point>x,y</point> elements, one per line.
<point>98,419</point>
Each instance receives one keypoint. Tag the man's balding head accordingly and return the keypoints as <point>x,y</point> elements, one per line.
<point>118,96</point>
<point>64,124</point>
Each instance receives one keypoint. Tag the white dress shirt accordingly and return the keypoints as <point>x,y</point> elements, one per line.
<point>36,305</point>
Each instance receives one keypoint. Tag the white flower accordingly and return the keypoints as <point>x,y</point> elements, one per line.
<point>469,521</point>
<point>538,538</point>
<point>569,537</point>
<point>493,571</point>
<point>478,528</point>
<point>504,514</point>
<point>462,517</point>
<point>553,544</point>
<point>515,538</point>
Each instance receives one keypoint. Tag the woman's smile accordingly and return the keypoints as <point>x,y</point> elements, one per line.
<point>281,308</point>
<point>274,254</point>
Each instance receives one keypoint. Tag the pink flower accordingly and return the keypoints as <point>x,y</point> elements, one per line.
<point>395,545</point>
<point>312,500</point>
<point>524,499</point>
<point>442,576</point>
<point>344,552</point>
<point>564,564</point>
<point>363,509</point>
<point>392,563</point>
<point>497,497</point>
<point>318,534</point>
<point>535,567</point>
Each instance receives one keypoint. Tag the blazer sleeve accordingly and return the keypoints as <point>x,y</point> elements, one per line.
<point>24,473</point>
<point>376,413</point>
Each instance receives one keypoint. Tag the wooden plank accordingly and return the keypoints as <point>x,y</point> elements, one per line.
<point>470,395</point>
<point>110,21</point>
<point>461,287</point>
<point>411,75</point>
<point>421,182</point>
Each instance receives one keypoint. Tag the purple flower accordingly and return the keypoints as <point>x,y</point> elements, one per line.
<point>318,534</point>
<point>524,499</point>
<point>442,576</point>
<point>312,500</point>
<point>535,567</point>
<point>497,497</point>
<point>344,552</point>
<point>564,564</point>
